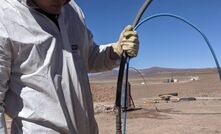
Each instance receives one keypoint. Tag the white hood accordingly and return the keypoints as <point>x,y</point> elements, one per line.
<point>30,3</point>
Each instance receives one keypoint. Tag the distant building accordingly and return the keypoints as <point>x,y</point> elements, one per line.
<point>194,78</point>
<point>173,80</point>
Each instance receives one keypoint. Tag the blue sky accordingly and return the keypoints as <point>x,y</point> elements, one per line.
<point>164,42</point>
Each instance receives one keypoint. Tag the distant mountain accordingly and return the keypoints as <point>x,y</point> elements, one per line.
<point>162,70</point>
<point>150,72</point>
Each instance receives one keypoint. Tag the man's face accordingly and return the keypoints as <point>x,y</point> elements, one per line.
<point>50,6</point>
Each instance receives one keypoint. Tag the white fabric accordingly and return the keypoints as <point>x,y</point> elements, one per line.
<point>44,82</point>
<point>2,123</point>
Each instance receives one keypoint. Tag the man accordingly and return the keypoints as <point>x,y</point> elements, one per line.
<point>46,53</point>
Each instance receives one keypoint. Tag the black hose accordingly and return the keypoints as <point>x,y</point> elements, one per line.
<point>140,12</point>
<point>124,59</point>
<point>118,94</point>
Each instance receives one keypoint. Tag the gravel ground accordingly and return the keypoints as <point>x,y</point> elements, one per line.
<point>184,117</point>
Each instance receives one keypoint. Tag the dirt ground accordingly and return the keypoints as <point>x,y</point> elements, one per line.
<point>200,116</point>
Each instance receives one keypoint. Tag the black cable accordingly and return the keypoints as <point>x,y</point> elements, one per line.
<point>140,12</point>
<point>124,59</point>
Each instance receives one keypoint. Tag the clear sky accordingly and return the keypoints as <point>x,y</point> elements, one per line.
<point>164,42</point>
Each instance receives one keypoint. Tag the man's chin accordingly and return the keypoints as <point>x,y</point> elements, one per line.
<point>54,11</point>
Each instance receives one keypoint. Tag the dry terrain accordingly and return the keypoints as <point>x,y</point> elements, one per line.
<point>154,115</point>
<point>200,116</point>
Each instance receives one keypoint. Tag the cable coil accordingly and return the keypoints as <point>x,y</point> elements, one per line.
<point>190,24</point>
<point>125,59</point>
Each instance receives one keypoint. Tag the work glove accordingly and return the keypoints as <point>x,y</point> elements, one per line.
<point>128,42</point>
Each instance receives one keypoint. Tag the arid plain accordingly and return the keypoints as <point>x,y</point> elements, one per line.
<point>177,115</point>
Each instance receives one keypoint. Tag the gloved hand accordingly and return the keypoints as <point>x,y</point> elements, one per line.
<point>127,42</point>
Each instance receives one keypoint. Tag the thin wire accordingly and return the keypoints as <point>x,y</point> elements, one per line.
<point>141,75</point>
<point>189,23</point>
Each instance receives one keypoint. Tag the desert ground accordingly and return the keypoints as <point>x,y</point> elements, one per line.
<point>154,114</point>
<point>178,115</point>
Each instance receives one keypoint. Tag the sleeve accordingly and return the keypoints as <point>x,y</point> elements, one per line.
<point>5,69</point>
<point>101,57</point>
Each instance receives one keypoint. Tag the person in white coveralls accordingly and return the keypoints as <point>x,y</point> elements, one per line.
<point>46,53</point>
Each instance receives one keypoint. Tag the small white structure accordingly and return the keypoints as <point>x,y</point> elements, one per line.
<point>174,80</point>
<point>194,78</point>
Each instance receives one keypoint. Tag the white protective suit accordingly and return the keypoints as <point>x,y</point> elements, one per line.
<point>44,82</point>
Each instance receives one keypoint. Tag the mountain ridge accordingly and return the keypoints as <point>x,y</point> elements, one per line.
<point>153,71</point>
